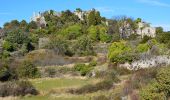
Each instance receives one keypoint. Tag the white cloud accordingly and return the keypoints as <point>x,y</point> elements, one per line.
<point>154,3</point>
<point>105,9</point>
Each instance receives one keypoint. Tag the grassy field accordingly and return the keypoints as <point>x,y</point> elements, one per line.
<point>53,89</point>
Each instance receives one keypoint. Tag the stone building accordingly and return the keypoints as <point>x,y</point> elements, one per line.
<point>145,29</point>
<point>125,30</point>
<point>39,19</point>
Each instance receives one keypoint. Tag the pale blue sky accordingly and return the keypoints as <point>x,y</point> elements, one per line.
<point>156,12</point>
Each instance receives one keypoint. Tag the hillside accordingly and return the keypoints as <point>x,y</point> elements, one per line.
<point>82,55</point>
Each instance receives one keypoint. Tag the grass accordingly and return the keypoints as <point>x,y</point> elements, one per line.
<point>46,86</point>
<point>49,84</point>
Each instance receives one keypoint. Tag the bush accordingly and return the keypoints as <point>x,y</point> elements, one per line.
<point>142,48</point>
<point>159,88</point>
<point>163,79</point>
<point>4,73</point>
<point>8,46</point>
<point>83,69</point>
<point>17,88</point>
<point>93,63</point>
<point>150,92</point>
<point>27,70</point>
<point>7,73</point>
<point>120,52</point>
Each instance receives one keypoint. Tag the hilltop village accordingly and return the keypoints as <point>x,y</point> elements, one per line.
<point>85,56</point>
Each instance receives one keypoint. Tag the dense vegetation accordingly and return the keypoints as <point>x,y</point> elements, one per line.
<point>31,50</point>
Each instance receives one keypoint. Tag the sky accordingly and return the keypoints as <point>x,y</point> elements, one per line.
<point>156,12</point>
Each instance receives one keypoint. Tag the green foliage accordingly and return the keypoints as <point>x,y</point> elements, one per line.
<point>68,17</point>
<point>4,73</point>
<point>150,92</point>
<point>5,54</point>
<point>17,37</point>
<point>141,48</point>
<point>8,46</point>
<point>159,89</point>
<point>32,25</point>
<point>145,39</point>
<point>83,69</point>
<point>119,52</point>
<point>59,45</point>
<point>163,80</point>
<point>27,70</point>
<point>71,32</point>
<point>163,38</point>
<point>159,30</point>
<point>93,63</point>
<point>83,46</point>
<point>94,18</point>
<point>99,33</point>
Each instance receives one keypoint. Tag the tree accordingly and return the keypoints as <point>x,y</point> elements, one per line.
<point>32,25</point>
<point>23,24</point>
<point>99,33</point>
<point>79,9</point>
<point>92,18</point>
<point>84,46</point>
<point>98,17</point>
<point>15,23</point>
<point>59,45</point>
<point>159,30</point>
<point>72,32</point>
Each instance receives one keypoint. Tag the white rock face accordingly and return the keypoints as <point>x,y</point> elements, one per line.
<point>155,61</point>
<point>145,29</point>
<point>39,18</point>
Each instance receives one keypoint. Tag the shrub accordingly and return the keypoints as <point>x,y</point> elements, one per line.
<point>93,63</point>
<point>17,88</point>
<point>120,52</point>
<point>27,70</point>
<point>150,92</point>
<point>4,73</point>
<point>142,48</point>
<point>163,79</point>
<point>7,72</point>
<point>83,69</point>
<point>158,89</point>
<point>8,46</point>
